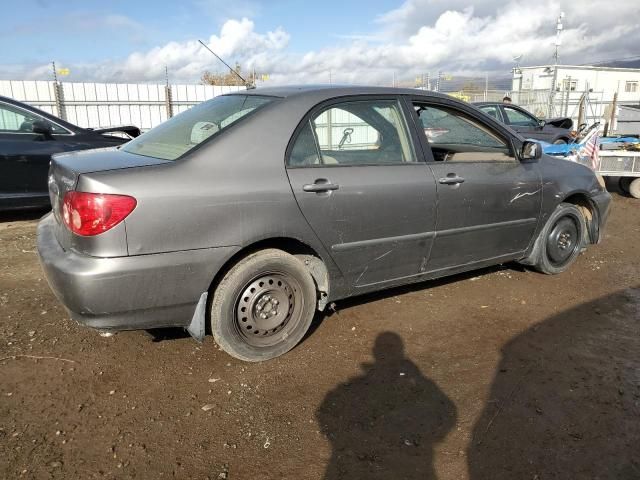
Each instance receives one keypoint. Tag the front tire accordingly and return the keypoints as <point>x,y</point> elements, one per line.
<point>561,240</point>
<point>263,306</point>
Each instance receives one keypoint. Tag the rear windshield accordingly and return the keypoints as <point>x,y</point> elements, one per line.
<point>175,137</point>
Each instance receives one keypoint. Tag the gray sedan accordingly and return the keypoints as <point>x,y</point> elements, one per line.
<point>252,211</point>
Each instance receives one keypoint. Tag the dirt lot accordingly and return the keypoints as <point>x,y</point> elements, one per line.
<point>500,374</point>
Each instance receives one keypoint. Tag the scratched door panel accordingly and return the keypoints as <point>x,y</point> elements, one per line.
<point>378,224</point>
<point>492,213</point>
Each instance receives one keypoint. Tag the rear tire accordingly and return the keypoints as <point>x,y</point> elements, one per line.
<point>625,183</point>
<point>634,188</point>
<point>263,306</point>
<point>561,240</point>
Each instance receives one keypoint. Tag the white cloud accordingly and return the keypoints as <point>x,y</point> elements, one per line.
<point>419,36</point>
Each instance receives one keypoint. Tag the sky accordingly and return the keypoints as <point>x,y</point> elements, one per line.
<point>366,42</point>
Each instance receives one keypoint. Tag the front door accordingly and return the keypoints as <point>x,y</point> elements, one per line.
<point>524,123</point>
<point>355,174</point>
<point>488,201</point>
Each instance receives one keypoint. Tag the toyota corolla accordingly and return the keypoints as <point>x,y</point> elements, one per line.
<point>252,211</point>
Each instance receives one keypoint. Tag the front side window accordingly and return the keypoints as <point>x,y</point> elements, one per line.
<point>177,136</point>
<point>354,133</point>
<point>490,110</point>
<point>17,120</point>
<point>518,118</point>
<point>454,136</point>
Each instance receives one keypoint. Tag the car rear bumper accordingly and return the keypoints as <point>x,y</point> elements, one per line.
<point>128,293</point>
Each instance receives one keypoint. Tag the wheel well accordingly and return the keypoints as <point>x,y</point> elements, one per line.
<point>588,210</point>
<point>298,249</point>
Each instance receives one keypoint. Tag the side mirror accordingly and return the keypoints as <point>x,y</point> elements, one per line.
<point>530,150</point>
<point>42,128</point>
<point>541,124</point>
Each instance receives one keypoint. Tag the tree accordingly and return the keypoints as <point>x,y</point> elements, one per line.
<point>228,78</point>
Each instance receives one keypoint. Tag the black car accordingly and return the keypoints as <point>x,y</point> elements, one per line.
<point>553,130</point>
<point>28,138</point>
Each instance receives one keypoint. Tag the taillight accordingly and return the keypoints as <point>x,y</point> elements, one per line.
<point>89,214</point>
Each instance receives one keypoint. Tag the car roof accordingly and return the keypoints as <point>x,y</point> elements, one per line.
<point>331,91</point>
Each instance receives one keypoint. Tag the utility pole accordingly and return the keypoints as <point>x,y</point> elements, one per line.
<point>556,59</point>
<point>558,42</point>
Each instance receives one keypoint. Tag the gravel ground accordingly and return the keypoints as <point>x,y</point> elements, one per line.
<point>498,374</point>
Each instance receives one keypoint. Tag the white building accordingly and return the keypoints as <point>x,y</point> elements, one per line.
<point>556,90</point>
<point>607,80</point>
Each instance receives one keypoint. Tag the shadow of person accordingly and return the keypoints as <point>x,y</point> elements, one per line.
<point>565,399</point>
<point>385,422</point>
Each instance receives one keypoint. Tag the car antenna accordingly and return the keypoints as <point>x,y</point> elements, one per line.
<point>246,84</point>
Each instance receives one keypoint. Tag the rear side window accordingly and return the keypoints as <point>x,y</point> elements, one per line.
<point>185,131</point>
<point>365,132</point>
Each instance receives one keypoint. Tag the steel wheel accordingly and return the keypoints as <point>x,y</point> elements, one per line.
<point>263,305</point>
<point>563,241</point>
<point>267,308</point>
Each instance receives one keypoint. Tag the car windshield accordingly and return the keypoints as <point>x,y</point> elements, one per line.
<point>177,136</point>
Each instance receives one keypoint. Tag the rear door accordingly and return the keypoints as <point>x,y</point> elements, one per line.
<point>488,201</point>
<point>364,189</point>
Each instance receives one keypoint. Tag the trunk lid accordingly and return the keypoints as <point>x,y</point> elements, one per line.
<point>66,169</point>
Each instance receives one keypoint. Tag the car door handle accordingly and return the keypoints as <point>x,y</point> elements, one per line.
<point>320,185</point>
<point>451,180</point>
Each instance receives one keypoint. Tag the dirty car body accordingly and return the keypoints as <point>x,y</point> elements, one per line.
<point>28,138</point>
<point>255,209</point>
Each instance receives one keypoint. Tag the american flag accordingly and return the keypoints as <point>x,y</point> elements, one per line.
<point>589,150</point>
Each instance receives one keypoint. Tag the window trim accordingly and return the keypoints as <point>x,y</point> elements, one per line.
<point>18,107</point>
<point>323,105</point>
<point>445,103</point>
